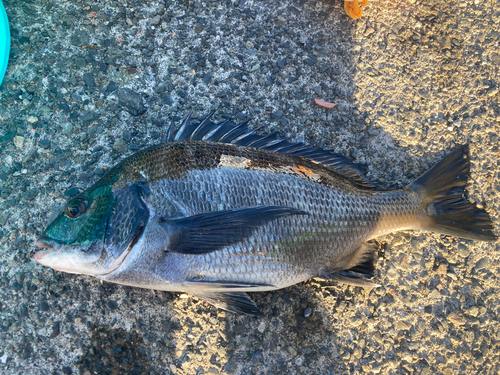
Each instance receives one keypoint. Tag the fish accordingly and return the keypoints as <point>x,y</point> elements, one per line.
<point>217,210</point>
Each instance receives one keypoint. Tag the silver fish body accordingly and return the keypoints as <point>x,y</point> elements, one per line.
<point>280,253</point>
<point>219,219</point>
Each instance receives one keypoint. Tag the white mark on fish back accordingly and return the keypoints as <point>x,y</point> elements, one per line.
<point>234,161</point>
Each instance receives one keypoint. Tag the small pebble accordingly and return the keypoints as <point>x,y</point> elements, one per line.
<point>307,312</point>
<point>71,192</point>
<point>56,329</point>
<point>120,146</point>
<point>442,269</point>
<point>126,136</point>
<point>392,273</point>
<point>463,251</point>
<point>18,141</point>
<point>482,263</point>
<point>369,31</point>
<point>457,318</point>
<point>155,20</point>
<point>129,98</point>
<point>492,92</point>
<point>116,350</point>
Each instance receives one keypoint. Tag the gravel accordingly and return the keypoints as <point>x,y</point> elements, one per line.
<point>90,82</point>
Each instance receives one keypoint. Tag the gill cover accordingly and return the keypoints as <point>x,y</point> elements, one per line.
<point>128,218</point>
<point>83,220</point>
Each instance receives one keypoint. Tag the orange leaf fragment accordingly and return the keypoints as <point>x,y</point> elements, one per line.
<point>393,293</point>
<point>353,9</point>
<point>324,104</point>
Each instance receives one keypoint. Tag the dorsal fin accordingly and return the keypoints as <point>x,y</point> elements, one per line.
<point>240,134</point>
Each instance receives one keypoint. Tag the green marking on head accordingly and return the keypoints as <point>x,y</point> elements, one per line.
<point>84,219</point>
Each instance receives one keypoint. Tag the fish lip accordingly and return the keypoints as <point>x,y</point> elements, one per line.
<point>45,242</point>
<point>39,255</point>
<point>48,243</point>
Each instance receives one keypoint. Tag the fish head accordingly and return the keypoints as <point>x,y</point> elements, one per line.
<point>75,241</point>
<point>96,230</point>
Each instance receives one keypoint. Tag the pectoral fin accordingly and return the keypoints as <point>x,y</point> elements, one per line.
<point>232,301</point>
<point>205,233</point>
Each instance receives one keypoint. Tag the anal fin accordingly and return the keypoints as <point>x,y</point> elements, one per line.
<point>361,272</point>
<point>238,302</point>
<point>223,284</point>
<point>351,278</point>
<point>366,259</point>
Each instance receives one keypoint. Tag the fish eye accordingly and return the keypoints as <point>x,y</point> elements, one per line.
<point>77,207</point>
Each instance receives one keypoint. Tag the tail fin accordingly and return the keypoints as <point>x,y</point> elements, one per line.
<point>449,212</point>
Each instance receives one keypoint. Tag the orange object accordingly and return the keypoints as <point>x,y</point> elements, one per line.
<point>353,9</point>
<point>324,104</point>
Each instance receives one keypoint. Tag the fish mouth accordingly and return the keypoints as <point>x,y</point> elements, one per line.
<point>47,257</point>
<point>39,255</point>
<point>45,242</point>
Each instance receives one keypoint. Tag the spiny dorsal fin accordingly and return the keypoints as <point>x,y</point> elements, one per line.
<point>240,134</point>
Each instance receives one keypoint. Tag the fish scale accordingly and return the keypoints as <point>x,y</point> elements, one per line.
<point>253,213</point>
<point>337,225</point>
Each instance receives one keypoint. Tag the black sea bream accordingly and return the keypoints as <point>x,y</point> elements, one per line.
<point>218,210</point>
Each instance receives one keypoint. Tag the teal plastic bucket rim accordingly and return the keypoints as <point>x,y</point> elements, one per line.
<point>4,41</point>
